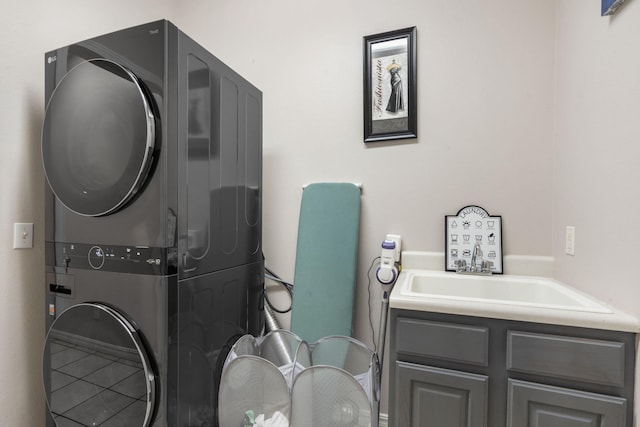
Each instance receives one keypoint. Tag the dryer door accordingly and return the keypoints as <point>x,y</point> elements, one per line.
<point>98,137</point>
<point>97,370</point>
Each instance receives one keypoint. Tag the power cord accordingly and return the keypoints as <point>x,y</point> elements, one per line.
<point>373,332</point>
<point>288,287</point>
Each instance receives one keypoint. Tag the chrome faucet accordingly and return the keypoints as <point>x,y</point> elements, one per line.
<point>477,252</point>
<point>484,267</point>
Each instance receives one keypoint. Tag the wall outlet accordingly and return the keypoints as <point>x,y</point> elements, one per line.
<point>22,235</point>
<point>570,240</point>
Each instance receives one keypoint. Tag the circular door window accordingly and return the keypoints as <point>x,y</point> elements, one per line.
<point>96,370</point>
<point>98,138</point>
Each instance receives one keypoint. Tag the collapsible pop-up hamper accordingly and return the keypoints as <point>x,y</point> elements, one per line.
<point>280,380</point>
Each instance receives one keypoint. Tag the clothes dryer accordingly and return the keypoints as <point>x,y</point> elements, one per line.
<point>150,141</point>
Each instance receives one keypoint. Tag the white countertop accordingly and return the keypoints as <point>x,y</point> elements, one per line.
<point>416,263</point>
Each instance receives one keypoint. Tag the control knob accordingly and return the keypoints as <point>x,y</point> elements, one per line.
<point>96,257</point>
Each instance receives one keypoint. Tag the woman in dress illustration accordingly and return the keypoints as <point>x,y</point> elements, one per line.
<point>395,103</point>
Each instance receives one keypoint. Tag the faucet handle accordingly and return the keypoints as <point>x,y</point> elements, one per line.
<point>486,266</point>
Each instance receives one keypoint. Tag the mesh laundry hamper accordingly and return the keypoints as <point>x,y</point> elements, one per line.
<point>256,379</point>
<point>288,382</point>
<point>254,388</point>
<point>339,386</point>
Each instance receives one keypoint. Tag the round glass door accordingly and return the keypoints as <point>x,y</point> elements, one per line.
<point>98,138</point>
<point>96,370</point>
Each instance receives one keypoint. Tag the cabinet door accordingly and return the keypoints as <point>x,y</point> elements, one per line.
<point>434,397</point>
<point>538,405</point>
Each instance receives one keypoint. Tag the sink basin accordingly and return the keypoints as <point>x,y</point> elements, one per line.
<point>526,291</point>
<point>528,294</point>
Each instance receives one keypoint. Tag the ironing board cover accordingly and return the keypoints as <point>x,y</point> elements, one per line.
<point>326,260</point>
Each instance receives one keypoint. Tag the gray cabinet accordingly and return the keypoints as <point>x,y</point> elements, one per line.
<point>435,397</point>
<point>452,370</point>
<point>573,358</point>
<point>539,405</point>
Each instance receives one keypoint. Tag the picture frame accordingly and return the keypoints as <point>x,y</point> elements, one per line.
<point>471,226</point>
<point>390,85</point>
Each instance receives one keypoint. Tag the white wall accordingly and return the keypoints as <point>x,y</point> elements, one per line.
<point>597,149</point>
<point>486,70</point>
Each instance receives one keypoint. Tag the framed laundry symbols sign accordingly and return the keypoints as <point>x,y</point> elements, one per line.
<point>470,226</point>
<point>390,85</point>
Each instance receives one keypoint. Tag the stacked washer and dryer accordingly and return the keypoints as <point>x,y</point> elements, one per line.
<point>152,149</point>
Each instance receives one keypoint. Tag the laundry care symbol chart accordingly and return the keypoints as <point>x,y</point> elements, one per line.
<point>472,224</point>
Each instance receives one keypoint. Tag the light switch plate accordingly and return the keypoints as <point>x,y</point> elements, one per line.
<point>570,240</point>
<point>22,235</point>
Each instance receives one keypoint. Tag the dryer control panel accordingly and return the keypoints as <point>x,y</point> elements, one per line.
<point>122,259</point>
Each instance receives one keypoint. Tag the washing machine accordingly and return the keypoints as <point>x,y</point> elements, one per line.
<point>132,350</point>
<point>152,150</point>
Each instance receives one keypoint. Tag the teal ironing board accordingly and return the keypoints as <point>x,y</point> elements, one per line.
<point>326,261</point>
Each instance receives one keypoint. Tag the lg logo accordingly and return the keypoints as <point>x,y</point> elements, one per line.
<point>52,59</point>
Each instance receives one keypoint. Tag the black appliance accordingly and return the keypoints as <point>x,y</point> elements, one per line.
<point>152,149</point>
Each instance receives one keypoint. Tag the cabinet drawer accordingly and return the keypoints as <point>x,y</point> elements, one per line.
<point>588,360</point>
<point>446,341</point>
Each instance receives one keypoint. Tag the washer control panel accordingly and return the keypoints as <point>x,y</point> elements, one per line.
<point>125,259</point>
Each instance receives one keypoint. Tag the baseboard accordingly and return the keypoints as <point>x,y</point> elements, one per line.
<point>383,420</point>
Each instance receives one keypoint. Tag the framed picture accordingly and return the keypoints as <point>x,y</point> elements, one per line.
<point>472,227</point>
<point>390,85</point>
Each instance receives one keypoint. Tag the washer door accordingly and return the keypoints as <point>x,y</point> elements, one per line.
<point>98,138</point>
<point>97,371</point>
